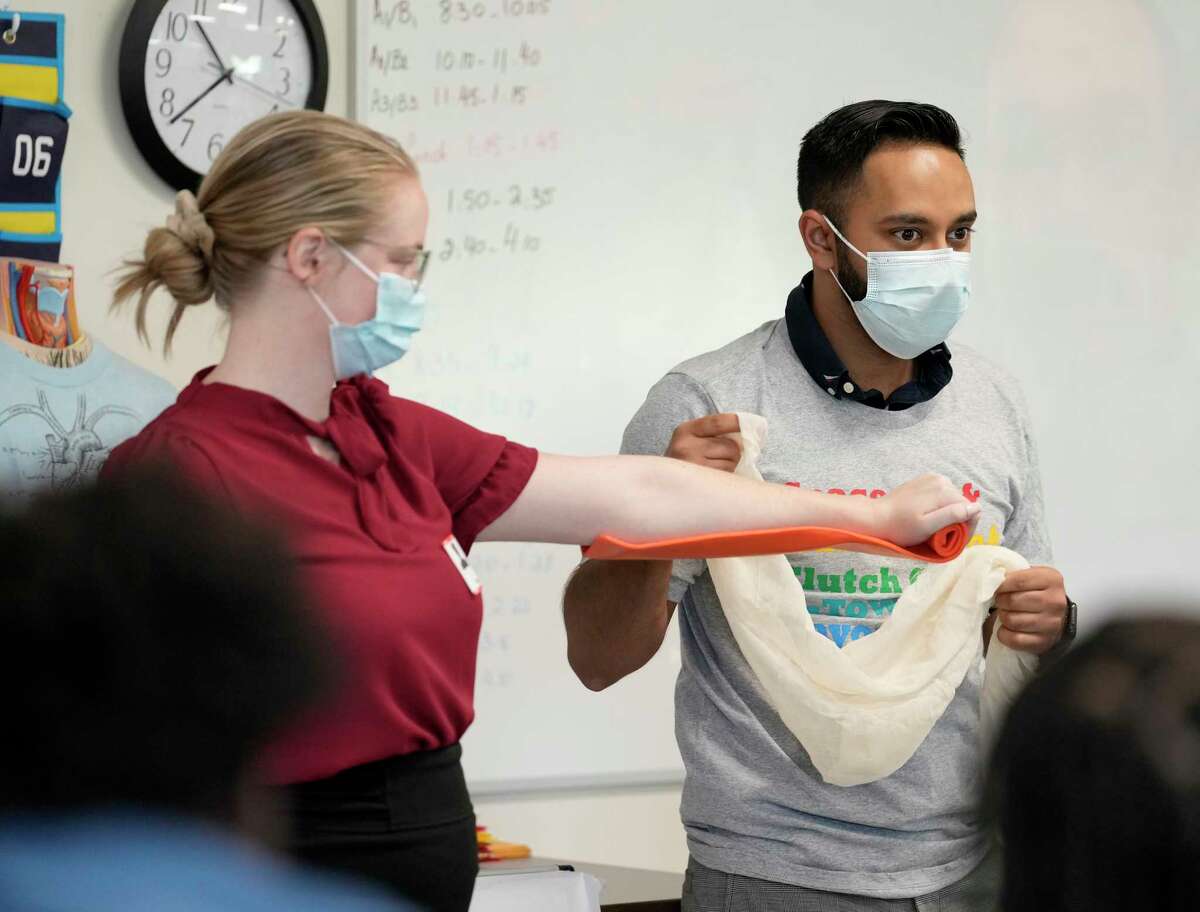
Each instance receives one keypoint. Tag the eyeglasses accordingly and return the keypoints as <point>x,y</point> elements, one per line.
<point>414,263</point>
<point>411,262</point>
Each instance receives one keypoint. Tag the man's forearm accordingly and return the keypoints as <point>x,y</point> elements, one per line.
<point>616,615</point>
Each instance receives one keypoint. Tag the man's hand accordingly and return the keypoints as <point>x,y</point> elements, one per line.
<point>617,612</point>
<point>703,442</point>
<point>1032,608</point>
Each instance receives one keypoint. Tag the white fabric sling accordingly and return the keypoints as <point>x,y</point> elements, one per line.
<point>862,711</point>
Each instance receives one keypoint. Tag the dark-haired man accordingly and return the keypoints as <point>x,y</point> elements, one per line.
<point>857,384</point>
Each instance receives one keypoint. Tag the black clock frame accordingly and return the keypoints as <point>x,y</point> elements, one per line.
<point>136,107</point>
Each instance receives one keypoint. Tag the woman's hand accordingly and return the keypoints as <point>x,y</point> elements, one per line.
<point>909,515</point>
<point>919,508</point>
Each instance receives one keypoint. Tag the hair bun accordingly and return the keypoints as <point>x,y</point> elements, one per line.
<point>190,226</point>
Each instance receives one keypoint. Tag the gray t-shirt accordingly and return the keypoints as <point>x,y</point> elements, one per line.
<point>753,804</point>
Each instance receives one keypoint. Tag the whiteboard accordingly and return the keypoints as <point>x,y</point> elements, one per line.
<point>612,191</point>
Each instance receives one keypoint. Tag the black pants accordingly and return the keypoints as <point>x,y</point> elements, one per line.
<point>405,823</point>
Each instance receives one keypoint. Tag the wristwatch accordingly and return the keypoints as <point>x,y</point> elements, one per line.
<point>1068,635</point>
<point>1072,621</point>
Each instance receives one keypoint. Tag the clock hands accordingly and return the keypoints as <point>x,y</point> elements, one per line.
<point>216,56</point>
<point>228,74</point>
<point>258,88</point>
<point>224,77</point>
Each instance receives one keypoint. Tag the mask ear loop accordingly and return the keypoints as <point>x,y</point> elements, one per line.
<point>838,282</point>
<point>353,259</point>
<point>832,273</point>
<point>312,293</point>
<point>366,270</point>
<point>842,237</point>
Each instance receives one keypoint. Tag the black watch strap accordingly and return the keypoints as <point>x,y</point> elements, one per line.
<point>1070,625</point>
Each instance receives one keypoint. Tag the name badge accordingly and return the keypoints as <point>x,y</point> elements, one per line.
<point>458,557</point>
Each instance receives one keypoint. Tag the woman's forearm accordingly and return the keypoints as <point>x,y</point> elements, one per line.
<point>573,500</point>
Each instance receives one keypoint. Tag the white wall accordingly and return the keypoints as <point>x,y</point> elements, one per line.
<point>110,199</point>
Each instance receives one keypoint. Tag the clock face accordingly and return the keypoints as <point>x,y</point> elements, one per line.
<point>209,67</point>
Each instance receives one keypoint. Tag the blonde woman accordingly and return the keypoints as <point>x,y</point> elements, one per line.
<point>310,232</point>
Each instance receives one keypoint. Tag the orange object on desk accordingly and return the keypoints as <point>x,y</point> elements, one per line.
<point>503,851</point>
<point>492,849</point>
<point>943,546</point>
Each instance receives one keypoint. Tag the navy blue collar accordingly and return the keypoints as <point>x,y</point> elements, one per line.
<point>932,368</point>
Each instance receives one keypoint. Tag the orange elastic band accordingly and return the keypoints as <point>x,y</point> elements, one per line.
<point>941,547</point>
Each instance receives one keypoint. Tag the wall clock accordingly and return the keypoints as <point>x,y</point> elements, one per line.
<point>194,72</point>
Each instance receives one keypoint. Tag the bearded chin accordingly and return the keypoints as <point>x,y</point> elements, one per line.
<point>854,284</point>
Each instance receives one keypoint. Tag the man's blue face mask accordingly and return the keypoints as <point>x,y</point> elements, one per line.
<point>914,297</point>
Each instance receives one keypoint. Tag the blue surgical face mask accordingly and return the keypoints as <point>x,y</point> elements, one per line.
<point>914,297</point>
<point>52,300</point>
<point>385,338</point>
